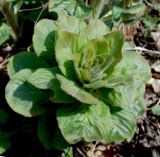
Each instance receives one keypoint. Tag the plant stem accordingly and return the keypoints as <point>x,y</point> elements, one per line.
<point>100,8</point>
<point>11,19</point>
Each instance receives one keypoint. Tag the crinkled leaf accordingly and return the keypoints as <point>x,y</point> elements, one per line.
<point>24,60</point>
<point>50,135</point>
<point>44,38</point>
<point>156,110</point>
<point>70,24</point>
<point>132,66</point>
<point>126,104</point>
<point>98,58</point>
<point>73,7</point>
<point>45,78</point>
<point>84,122</point>
<point>4,33</point>
<point>95,29</point>
<point>76,92</point>
<point>65,45</point>
<point>115,42</point>
<point>93,60</point>
<point>3,116</point>
<point>23,97</point>
<point>132,60</point>
<point>126,101</point>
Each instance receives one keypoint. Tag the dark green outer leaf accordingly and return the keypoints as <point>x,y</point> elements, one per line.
<point>4,145</point>
<point>3,116</point>
<point>24,98</point>
<point>24,60</point>
<point>5,142</point>
<point>50,135</point>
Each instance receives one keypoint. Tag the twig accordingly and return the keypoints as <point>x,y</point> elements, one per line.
<point>80,152</point>
<point>100,8</point>
<point>43,6</point>
<point>144,50</point>
<point>40,13</point>
<point>87,2</point>
<point>93,148</point>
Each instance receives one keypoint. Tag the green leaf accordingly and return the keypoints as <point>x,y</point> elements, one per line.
<point>65,45</point>
<point>156,110</point>
<point>68,152</point>
<point>115,42</point>
<point>4,33</point>
<point>50,135</point>
<point>73,90</point>
<point>45,78</point>
<point>126,104</point>
<point>3,116</point>
<point>93,60</point>
<point>133,60</point>
<point>95,29</point>
<point>5,142</point>
<point>44,38</point>
<point>4,145</point>
<point>134,12</point>
<point>132,66</point>
<point>70,24</point>
<point>126,101</point>
<point>59,95</point>
<point>98,58</point>
<point>72,7</point>
<point>84,122</point>
<point>24,60</point>
<point>23,97</point>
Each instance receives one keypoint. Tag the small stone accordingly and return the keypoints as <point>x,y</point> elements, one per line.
<point>101,148</point>
<point>155,83</point>
<point>98,153</point>
<point>156,67</point>
<point>89,153</point>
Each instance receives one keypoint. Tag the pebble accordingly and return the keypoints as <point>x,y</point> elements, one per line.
<point>101,148</point>
<point>98,153</point>
<point>89,153</point>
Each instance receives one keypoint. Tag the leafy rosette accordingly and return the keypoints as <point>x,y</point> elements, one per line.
<point>101,89</point>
